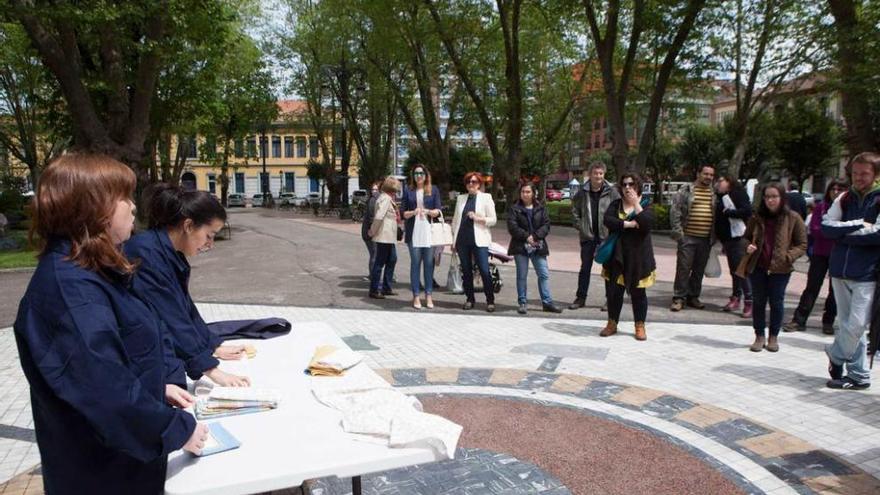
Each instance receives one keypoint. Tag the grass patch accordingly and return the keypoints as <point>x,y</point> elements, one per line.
<point>18,259</point>
<point>19,256</point>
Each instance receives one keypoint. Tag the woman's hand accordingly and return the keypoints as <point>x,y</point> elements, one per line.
<point>178,397</point>
<point>229,352</point>
<point>751,248</point>
<point>197,440</point>
<point>225,379</point>
<point>630,224</point>
<point>530,239</point>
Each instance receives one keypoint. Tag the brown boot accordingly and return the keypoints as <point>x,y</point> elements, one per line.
<point>758,344</point>
<point>609,330</point>
<point>640,331</point>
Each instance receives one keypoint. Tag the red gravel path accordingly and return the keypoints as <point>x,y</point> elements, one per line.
<point>588,454</point>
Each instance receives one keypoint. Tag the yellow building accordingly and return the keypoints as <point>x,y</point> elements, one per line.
<point>289,145</point>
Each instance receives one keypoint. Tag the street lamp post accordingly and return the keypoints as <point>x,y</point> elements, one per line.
<point>343,74</point>
<point>264,177</point>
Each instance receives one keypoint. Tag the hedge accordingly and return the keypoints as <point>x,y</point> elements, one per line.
<point>559,211</point>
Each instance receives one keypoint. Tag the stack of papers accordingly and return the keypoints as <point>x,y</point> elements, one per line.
<point>232,401</point>
<point>332,361</point>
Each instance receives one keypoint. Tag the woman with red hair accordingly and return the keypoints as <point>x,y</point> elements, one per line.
<point>474,215</point>
<point>96,357</point>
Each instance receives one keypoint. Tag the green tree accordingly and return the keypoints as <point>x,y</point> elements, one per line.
<point>241,100</point>
<point>807,140</point>
<point>701,144</point>
<point>107,57</point>
<point>32,128</point>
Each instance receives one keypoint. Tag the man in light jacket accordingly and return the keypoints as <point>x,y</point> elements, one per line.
<point>855,260</point>
<point>587,210</point>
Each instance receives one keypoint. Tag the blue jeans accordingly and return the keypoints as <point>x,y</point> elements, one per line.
<point>522,273</point>
<point>466,255</point>
<point>386,258</point>
<point>768,287</point>
<point>417,256</point>
<point>849,349</point>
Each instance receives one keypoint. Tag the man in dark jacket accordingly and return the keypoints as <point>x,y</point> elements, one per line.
<point>365,227</point>
<point>855,259</point>
<point>587,210</point>
<point>796,201</point>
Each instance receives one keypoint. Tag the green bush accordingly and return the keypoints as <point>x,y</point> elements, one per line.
<point>559,211</point>
<point>661,217</point>
<point>11,202</point>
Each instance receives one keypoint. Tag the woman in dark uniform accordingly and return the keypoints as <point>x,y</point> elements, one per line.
<point>182,223</point>
<point>96,357</point>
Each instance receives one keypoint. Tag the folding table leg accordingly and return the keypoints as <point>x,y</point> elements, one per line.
<point>356,485</point>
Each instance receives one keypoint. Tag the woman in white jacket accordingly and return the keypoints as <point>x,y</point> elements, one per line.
<point>474,215</point>
<point>384,233</point>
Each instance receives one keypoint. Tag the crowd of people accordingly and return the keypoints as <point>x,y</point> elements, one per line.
<point>107,330</point>
<point>761,240</point>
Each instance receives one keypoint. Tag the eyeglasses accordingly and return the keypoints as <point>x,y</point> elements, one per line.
<point>418,174</point>
<point>473,181</point>
<point>629,184</point>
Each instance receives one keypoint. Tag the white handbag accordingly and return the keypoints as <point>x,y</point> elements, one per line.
<point>441,233</point>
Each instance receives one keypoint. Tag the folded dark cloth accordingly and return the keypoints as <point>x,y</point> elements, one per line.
<point>265,328</point>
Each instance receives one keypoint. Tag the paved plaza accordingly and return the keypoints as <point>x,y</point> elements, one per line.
<point>547,405</point>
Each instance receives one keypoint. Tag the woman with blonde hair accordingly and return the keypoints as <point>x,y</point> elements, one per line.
<point>474,216</point>
<point>101,372</point>
<point>384,233</point>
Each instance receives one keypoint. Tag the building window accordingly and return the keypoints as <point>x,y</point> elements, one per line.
<point>288,147</point>
<point>239,182</point>
<point>313,147</point>
<point>212,183</point>
<point>300,147</point>
<point>191,144</point>
<point>289,181</point>
<point>239,148</point>
<point>276,146</point>
<point>252,147</point>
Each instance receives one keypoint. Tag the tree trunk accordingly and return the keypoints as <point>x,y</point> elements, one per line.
<point>854,97</point>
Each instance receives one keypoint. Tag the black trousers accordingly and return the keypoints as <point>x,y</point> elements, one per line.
<point>639,299</point>
<point>815,277</point>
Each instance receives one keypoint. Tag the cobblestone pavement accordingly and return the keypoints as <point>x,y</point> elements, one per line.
<point>762,420</point>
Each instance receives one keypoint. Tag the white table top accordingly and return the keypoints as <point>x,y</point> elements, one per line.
<point>301,439</point>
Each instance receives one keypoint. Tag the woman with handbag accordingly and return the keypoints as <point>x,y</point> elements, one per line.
<point>631,266</point>
<point>777,237</point>
<point>474,215</point>
<point>384,233</point>
<point>733,209</point>
<point>529,224</point>
<point>421,203</point>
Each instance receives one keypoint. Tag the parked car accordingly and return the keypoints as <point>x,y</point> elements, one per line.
<point>314,198</point>
<point>360,196</point>
<point>287,199</point>
<point>553,195</point>
<point>257,200</point>
<point>566,193</point>
<point>235,199</point>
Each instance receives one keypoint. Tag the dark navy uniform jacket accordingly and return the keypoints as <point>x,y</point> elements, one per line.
<point>95,359</point>
<point>162,279</point>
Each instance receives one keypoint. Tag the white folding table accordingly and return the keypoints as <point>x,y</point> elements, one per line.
<point>302,439</point>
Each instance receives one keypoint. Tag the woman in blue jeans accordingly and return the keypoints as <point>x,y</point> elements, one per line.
<point>529,224</point>
<point>421,203</point>
<point>777,237</point>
